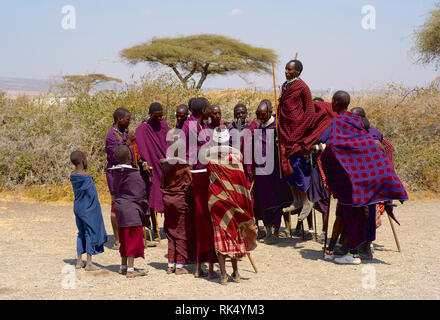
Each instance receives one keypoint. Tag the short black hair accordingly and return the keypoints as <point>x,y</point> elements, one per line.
<point>77,156</point>
<point>122,153</point>
<point>197,105</point>
<point>238,106</point>
<point>155,106</point>
<point>298,65</point>
<point>119,113</point>
<point>319,99</point>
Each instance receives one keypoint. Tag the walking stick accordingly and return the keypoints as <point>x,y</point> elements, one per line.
<point>327,215</point>
<point>252,262</point>
<point>276,120</point>
<point>314,224</point>
<point>394,233</point>
<point>157,225</point>
<point>145,235</point>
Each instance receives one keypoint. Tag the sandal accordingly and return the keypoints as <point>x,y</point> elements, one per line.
<point>224,280</point>
<point>236,279</point>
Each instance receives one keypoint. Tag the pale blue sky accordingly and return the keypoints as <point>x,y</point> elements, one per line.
<point>335,50</point>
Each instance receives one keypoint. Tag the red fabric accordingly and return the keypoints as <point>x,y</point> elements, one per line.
<point>230,204</point>
<point>205,249</point>
<point>112,210</point>
<point>228,246</point>
<point>389,150</point>
<point>132,241</point>
<point>301,121</point>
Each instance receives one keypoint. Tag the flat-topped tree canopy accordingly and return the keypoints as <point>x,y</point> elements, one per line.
<point>202,54</point>
<point>84,82</point>
<point>427,39</point>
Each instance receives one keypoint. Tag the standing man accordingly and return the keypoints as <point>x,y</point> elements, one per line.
<point>358,174</point>
<point>117,135</point>
<point>271,192</point>
<point>152,145</point>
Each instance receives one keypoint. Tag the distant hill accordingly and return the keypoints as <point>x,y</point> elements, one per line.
<point>20,84</point>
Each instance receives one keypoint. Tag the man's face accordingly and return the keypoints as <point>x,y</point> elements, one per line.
<point>290,71</point>
<point>124,122</point>
<point>156,116</point>
<point>241,113</point>
<point>181,116</point>
<point>263,114</point>
<point>216,114</point>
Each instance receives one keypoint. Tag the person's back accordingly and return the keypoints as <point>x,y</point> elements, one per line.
<point>131,209</point>
<point>91,230</point>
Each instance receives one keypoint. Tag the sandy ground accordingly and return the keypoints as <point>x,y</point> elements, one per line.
<point>38,253</point>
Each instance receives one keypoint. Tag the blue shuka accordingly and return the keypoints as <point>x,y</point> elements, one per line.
<point>87,209</point>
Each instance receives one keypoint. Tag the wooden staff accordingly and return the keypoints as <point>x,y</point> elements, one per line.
<point>326,218</point>
<point>252,262</point>
<point>276,120</point>
<point>252,185</point>
<point>394,232</point>
<point>145,236</point>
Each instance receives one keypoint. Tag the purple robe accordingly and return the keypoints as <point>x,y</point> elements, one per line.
<point>272,192</point>
<point>131,205</point>
<point>191,151</point>
<point>376,134</point>
<point>152,146</point>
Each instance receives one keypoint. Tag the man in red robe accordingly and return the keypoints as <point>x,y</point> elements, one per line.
<point>301,122</point>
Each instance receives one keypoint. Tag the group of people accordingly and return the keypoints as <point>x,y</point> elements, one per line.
<point>213,195</point>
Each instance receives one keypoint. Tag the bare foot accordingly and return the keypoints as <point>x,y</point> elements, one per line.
<point>79,265</point>
<point>91,267</point>
<point>224,280</point>
<point>181,271</point>
<point>171,270</point>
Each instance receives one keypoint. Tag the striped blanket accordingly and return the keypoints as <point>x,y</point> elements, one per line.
<point>357,171</point>
<point>230,202</point>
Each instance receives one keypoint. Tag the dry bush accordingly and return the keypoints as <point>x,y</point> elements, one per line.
<point>37,135</point>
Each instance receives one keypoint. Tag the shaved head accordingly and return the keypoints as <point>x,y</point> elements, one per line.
<point>77,156</point>
<point>182,108</point>
<point>340,101</point>
<point>122,154</point>
<point>265,104</point>
<point>359,111</point>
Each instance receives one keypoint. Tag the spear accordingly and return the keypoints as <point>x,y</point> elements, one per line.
<point>276,119</point>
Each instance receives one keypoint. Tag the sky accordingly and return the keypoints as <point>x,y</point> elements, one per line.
<point>336,49</point>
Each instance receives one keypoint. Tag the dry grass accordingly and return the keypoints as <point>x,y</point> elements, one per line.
<point>38,134</point>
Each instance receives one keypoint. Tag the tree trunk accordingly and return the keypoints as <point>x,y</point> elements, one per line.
<point>204,73</point>
<point>185,79</point>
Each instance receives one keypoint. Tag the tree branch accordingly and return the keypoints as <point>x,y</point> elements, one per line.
<point>205,73</point>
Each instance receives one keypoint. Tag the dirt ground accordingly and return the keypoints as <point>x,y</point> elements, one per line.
<point>38,245</point>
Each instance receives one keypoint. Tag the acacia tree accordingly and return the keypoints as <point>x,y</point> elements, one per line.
<point>202,54</point>
<point>428,39</point>
<point>84,83</point>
